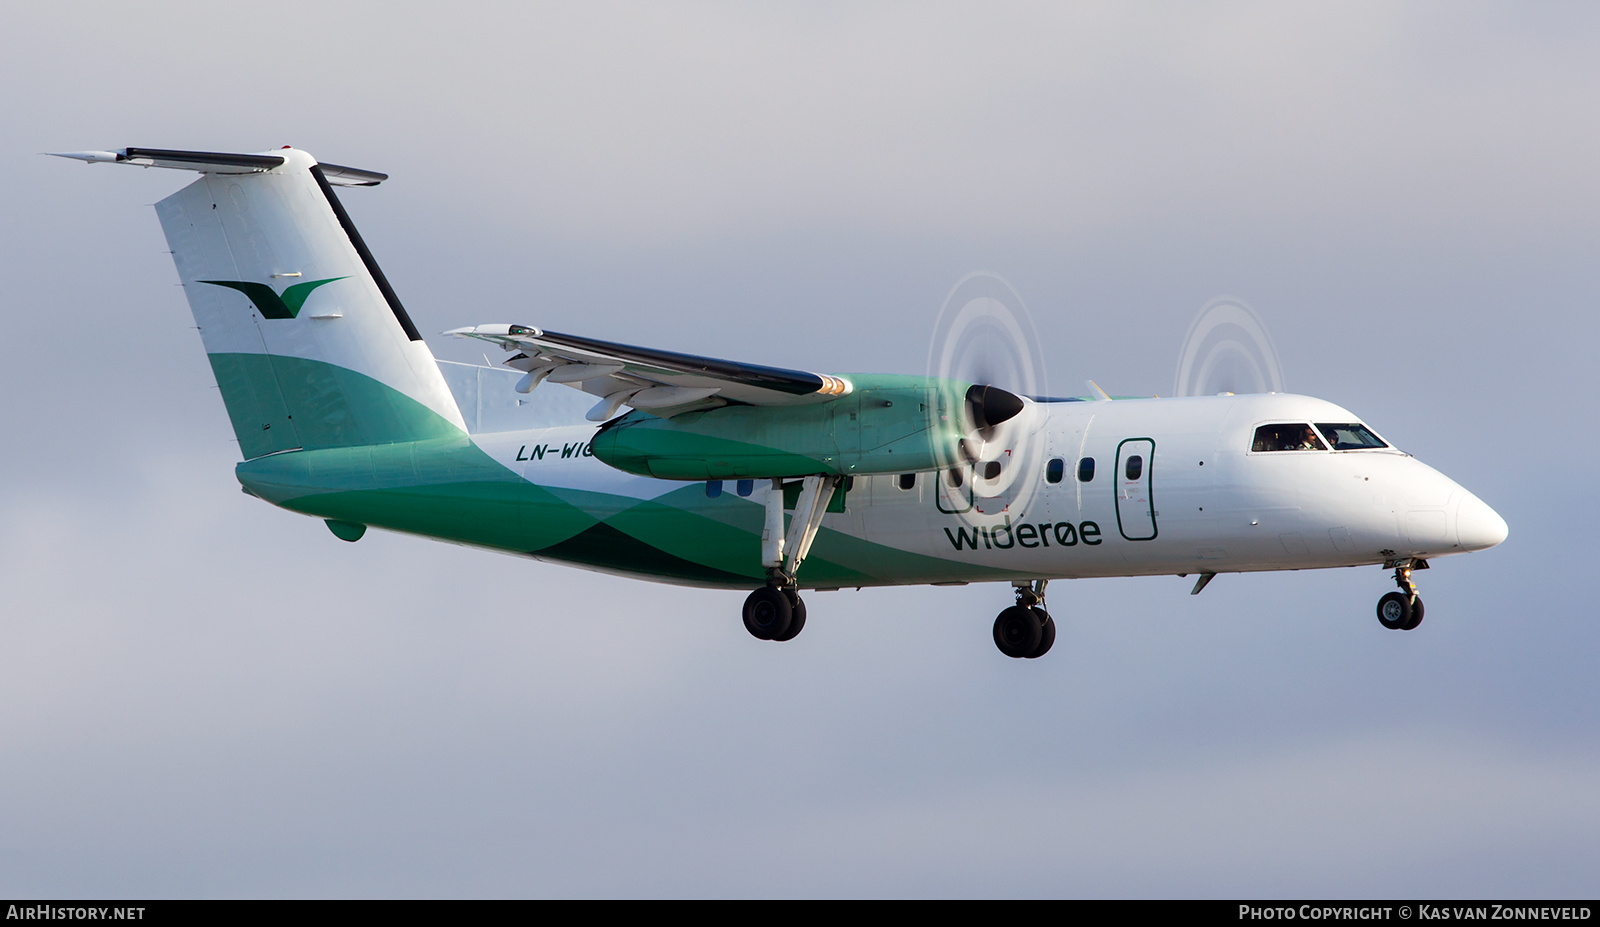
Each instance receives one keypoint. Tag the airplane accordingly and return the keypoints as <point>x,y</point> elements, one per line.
<point>717,473</point>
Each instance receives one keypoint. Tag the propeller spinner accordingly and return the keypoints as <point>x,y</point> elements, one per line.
<point>989,406</point>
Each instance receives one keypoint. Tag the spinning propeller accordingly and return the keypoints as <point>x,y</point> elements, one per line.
<point>985,338</point>
<point>1227,350</point>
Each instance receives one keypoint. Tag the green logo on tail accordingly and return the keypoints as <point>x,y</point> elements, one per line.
<point>272,305</point>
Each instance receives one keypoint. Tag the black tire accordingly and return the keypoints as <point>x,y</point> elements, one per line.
<point>1394,610</point>
<point>1017,632</point>
<point>767,613</point>
<point>797,617</point>
<point>1416,615</point>
<point>1047,635</point>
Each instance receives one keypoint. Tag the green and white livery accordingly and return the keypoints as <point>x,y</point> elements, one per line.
<point>709,472</point>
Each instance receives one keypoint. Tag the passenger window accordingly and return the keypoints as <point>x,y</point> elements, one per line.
<point>908,481</point>
<point>1054,469</point>
<point>955,477</point>
<point>1086,469</point>
<point>713,488</point>
<point>991,470</point>
<point>1352,436</point>
<point>1294,437</point>
<point>1134,467</point>
<point>745,487</point>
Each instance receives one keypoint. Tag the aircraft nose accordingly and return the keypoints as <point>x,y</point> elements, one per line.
<point>1477,526</point>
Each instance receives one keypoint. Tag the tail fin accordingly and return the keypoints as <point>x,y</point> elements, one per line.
<point>310,346</point>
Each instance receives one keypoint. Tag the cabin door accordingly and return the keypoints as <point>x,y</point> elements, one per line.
<point>1136,507</point>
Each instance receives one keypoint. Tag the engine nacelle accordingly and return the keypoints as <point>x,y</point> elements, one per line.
<point>884,426</point>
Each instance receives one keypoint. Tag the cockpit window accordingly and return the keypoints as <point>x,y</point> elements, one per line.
<point>1291,437</point>
<point>1352,436</point>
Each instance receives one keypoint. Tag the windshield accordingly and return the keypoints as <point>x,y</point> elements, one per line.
<point>1351,436</point>
<point>1297,436</point>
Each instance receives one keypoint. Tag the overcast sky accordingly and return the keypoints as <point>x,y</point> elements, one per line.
<point>201,695</point>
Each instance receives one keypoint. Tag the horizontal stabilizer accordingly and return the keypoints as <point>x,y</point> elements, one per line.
<point>218,162</point>
<point>341,176</point>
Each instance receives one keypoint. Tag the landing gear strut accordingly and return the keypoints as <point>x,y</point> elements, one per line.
<point>776,612</point>
<point>1402,611</point>
<point>1026,630</point>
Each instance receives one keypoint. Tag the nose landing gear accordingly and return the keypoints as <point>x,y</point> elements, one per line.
<point>1402,611</point>
<point>1026,630</point>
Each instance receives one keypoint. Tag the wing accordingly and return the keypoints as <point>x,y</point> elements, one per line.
<point>664,383</point>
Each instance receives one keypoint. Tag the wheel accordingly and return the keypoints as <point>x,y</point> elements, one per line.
<point>1017,631</point>
<point>1047,635</point>
<point>797,616</point>
<point>1394,610</point>
<point>1416,615</point>
<point>767,613</point>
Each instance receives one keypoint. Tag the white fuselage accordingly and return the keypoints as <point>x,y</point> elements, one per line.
<point>1213,505</point>
<point>1201,501</point>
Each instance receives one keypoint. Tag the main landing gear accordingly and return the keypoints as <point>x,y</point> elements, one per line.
<point>776,611</point>
<point>1402,611</point>
<point>1026,630</point>
<point>775,614</point>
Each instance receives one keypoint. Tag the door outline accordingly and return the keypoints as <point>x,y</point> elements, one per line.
<point>942,486</point>
<point>1147,478</point>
